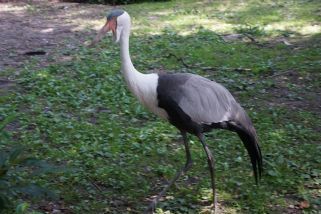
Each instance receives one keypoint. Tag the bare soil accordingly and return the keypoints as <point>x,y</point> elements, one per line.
<point>43,32</point>
<point>302,98</point>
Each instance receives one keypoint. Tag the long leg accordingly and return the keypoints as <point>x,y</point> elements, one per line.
<point>186,167</point>
<point>211,165</point>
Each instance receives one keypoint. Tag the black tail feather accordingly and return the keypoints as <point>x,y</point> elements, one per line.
<point>253,148</point>
<point>249,139</point>
<point>241,123</point>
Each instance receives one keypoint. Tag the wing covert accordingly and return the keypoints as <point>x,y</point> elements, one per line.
<point>205,101</point>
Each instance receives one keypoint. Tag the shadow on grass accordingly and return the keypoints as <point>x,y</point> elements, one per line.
<point>125,154</point>
<point>283,140</point>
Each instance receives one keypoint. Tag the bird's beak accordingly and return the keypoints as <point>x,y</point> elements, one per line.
<point>110,25</point>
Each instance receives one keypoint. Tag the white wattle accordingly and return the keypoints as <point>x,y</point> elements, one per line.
<point>143,86</point>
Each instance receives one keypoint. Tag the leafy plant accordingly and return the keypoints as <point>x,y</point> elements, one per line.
<point>114,1</point>
<point>79,113</point>
<point>250,30</point>
<point>14,164</point>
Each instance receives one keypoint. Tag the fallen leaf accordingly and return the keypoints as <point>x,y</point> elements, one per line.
<point>304,204</point>
<point>286,42</point>
<point>291,206</point>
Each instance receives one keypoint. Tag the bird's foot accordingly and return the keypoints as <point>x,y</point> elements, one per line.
<point>214,208</point>
<point>151,208</point>
<point>210,210</point>
<point>213,211</point>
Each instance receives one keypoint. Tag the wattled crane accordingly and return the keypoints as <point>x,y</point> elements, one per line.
<point>190,102</point>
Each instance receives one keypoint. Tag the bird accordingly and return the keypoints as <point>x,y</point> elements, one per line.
<point>193,104</point>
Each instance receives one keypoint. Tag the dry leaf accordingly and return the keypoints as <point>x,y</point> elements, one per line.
<point>304,204</point>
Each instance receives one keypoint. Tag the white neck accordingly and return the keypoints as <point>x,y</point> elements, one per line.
<point>127,65</point>
<point>143,86</point>
<point>131,75</point>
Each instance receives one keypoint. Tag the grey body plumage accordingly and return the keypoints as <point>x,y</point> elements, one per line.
<point>197,105</point>
<point>205,101</point>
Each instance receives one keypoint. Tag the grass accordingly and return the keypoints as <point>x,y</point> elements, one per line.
<point>79,115</point>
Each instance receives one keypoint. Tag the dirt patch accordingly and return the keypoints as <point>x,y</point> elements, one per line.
<point>6,86</point>
<point>43,32</point>
<point>294,91</point>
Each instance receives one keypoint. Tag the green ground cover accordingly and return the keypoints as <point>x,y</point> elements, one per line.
<point>80,117</point>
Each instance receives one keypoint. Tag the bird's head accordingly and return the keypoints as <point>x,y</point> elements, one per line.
<point>118,21</point>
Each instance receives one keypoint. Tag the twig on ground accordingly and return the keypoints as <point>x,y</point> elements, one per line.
<point>241,69</point>
<point>250,37</point>
<point>279,74</point>
<point>94,184</point>
<point>240,36</point>
<point>180,59</point>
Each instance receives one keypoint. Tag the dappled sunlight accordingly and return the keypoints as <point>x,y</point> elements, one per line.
<point>42,74</point>
<point>45,26</point>
<point>205,195</point>
<point>161,13</point>
<point>83,24</point>
<point>225,17</point>
<point>182,25</point>
<point>310,29</point>
<point>13,8</point>
<point>300,28</point>
<point>77,112</point>
<point>186,18</point>
<point>278,135</point>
